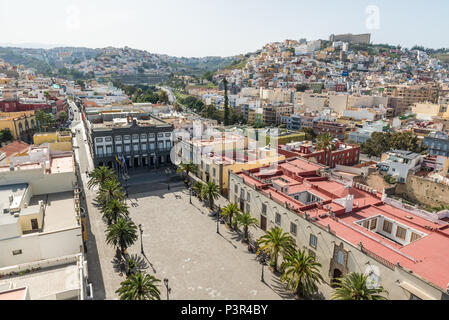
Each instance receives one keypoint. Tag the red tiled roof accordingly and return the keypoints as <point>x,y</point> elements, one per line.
<point>14,148</point>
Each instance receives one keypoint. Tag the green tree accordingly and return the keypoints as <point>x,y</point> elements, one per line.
<point>301,273</point>
<point>163,96</point>
<point>198,186</point>
<point>114,210</point>
<point>40,117</point>
<point>229,212</point>
<point>63,116</point>
<point>98,176</point>
<point>325,142</point>
<point>211,192</point>
<point>227,116</point>
<point>122,234</point>
<point>354,286</point>
<point>276,242</point>
<point>109,190</point>
<point>246,221</point>
<point>310,134</point>
<point>186,168</point>
<point>140,286</point>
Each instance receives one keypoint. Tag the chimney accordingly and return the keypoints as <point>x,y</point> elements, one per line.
<point>348,203</point>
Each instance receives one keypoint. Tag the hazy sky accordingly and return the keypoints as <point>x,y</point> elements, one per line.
<point>211,27</point>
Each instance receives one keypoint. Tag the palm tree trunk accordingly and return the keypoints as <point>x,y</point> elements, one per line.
<point>246,233</point>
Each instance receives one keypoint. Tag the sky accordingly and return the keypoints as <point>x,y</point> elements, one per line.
<point>198,28</point>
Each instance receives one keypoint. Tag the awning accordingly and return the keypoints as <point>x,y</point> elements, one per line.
<point>415,291</point>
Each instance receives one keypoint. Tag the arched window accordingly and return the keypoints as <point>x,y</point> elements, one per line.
<point>20,127</point>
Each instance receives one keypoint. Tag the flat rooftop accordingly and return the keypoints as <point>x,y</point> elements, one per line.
<point>59,211</point>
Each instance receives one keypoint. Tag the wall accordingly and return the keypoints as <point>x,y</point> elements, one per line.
<point>40,183</point>
<point>425,191</point>
<point>356,260</point>
<point>338,102</point>
<point>40,246</point>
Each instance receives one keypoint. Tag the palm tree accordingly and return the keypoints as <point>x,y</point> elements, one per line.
<point>275,241</point>
<point>113,210</point>
<point>140,286</point>
<point>187,168</point>
<point>122,234</point>
<point>99,176</point>
<point>301,273</point>
<point>246,221</point>
<point>109,190</point>
<point>354,287</point>
<point>230,211</point>
<point>325,142</point>
<point>211,192</point>
<point>198,186</point>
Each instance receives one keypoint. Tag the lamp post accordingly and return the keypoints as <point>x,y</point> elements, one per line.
<point>218,219</point>
<point>262,261</point>
<point>168,289</point>
<point>141,240</point>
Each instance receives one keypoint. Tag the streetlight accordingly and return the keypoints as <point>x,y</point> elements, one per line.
<point>218,219</point>
<point>141,240</point>
<point>168,289</point>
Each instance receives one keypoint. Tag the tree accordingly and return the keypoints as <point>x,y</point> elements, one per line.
<point>325,142</point>
<point>310,134</point>
<point>140,286</point>
<point>40,117</point>
<point>229,212</point>
<point>227,117</point>
<point>381,142</point>
<point>187,168</point>
<point>114,210</point>
<point>301,273</point>
<point>109,190</point>
<point>354,286</point>
<point>163,96</point>
<point>122,234</point>
<point>98,176</point>
<point>198,186</point>
<point>5,135</point>
<point>276,242</point>
<point>246,221</point>
<point>211,191</point>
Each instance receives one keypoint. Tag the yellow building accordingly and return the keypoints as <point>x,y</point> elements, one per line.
<point>21,124</point>
<point>215,168</point>
<point>430,110</point>
<point>57,140</point>
<point>281,138</point>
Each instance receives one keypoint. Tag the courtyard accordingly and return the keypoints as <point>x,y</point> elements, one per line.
<point>181,243</point>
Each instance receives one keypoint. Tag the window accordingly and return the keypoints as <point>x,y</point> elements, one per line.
<point>160,145</point>
<point>340,257</point>
<point>152,146</point>
<point>118,138</point>
<point>264,208</point>
<point>136,147</point>
<point>213,172</point>
<point>366,224</point>
<point>127,148</point>
<point>135,137</point>
<point>100,151</point>
<point>119,149</point>
<point>313,241</point>
<point>242,194</point>
<point>99,140</point>
<point>293,228</point>
<point>108,139</point>
<point>144,146</point>
<point>126,137</point>
<point>248,208</point>
<point>168,144</point>
<point>248,196</point>
<point>401,232</point>
<point>16,252</point>
<point>373,224</point>
<point>160,135</point>
<point>151,136</point>
<point>414,237</point>
<point>109,150</point>
<point>278,218</point>
<point>236,187</point>
<point>387,226</point>
<point>168,135</point>
<point>143,137</point>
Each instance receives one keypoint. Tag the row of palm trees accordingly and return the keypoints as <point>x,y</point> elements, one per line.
<point>122,232</point>
<point>300,270</point>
